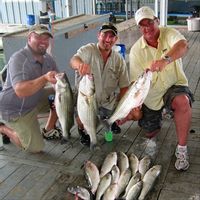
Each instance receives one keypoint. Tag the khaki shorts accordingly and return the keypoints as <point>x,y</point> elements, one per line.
<point>27,126</point>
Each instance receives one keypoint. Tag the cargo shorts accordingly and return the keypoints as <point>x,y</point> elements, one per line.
<point>27,126</point>
<point>152,119</point>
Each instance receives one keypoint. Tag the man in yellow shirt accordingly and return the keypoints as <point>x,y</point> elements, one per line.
<point>160,49</point>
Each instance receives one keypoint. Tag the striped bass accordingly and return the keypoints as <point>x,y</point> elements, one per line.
<point>149,180</point>
<point>110,193</point>
<point>115,172</point>
<point>133,98</point>
<point>103,185</point>
<point>87,108</point>
<point>108,163</point>
<point>122,161</point>
<point>134,191</point>
<point>134,179</point>
<point>144,165</point>
<point>123,181</point>
<point>92,176</point>
<point>134,163</point>
<point>64,104</point>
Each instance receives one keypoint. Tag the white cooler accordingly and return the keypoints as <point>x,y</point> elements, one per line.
<point>193,24</point>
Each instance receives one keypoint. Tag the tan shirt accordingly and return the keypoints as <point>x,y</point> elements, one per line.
<point>109,77</point>
<point>141,55</point>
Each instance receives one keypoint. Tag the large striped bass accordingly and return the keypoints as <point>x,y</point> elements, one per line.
<point>134,179</point>
<point>134,191</point>
<point>134,163</point>
<point>122,161</point>
<point>64,104</point>
<point>123,181</point>
<point>105,182</point>
<point>108,163</point>
<point>87,108</point>
<point>110,193</point>
<point>144,165</point>
<point>133,98</point>
<point>149,180</point>
<point>92,176</point>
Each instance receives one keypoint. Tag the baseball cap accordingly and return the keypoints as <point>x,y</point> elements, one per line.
<point>144,13</point>
<point>40,29</point>
<point>108,27</point>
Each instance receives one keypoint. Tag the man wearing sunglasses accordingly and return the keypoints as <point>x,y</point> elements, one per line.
<point>110,75</point>
<point>161,49</point>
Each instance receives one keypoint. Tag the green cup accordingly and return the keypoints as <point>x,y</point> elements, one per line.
<point>108,136</point>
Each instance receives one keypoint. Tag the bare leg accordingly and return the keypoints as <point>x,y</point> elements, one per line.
<point>52,119</point>
<point>11,134</point>
<point>182,118</point>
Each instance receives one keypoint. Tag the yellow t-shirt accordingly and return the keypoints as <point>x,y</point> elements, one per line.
<point>141,55</point>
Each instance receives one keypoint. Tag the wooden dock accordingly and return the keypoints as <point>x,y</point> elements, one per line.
<point>46,176</point>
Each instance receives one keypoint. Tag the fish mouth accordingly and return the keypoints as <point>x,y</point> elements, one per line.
<point>59,75</point>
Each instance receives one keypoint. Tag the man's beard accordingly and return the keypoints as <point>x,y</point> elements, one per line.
<point>41,51</point>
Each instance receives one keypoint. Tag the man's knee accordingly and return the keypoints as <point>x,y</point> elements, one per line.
<point>35,148</point>
<point>180,102</point>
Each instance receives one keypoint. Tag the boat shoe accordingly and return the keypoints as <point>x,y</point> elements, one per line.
<point>84,138</point>
<point>115,128</point>
<point>52,134</point>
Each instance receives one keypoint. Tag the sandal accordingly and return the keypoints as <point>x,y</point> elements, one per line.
<point>53,134</point>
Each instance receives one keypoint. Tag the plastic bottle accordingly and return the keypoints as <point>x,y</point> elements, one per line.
<point>108,136</point>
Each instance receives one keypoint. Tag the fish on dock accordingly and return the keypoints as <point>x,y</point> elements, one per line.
<point>81,192</point>
<point>149,180</point>
<point>92,176</point>
<point>105,182</point>
<point>108,163</point>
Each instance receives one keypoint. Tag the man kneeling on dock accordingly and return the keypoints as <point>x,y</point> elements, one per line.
<point>23,95</point>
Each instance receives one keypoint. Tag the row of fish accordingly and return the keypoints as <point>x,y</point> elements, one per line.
<point>121,176</point>
<point>87,105</point>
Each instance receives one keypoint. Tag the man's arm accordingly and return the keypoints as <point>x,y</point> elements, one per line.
<point>30,87</point>
<point>177,51</point>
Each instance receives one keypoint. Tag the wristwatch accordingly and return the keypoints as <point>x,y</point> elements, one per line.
<point>167,58</point>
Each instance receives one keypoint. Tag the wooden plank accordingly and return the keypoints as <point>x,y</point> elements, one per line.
<point>13,179</point>
<point>3,163</point>
<point>42,186</point>
<point>58,190</point>
<point>20,190</point>
<point>188,188</point>
<point>7,168</point>
<point>174,195</point>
